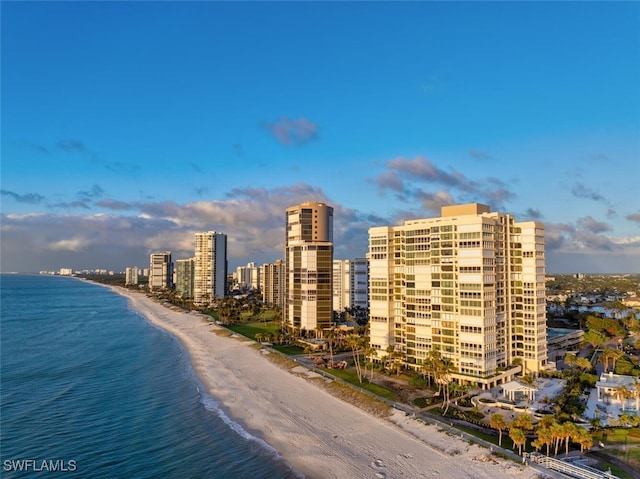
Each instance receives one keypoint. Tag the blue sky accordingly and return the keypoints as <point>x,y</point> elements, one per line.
<point>128,127</point>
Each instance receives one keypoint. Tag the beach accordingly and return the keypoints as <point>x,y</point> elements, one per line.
<point>319,435</point>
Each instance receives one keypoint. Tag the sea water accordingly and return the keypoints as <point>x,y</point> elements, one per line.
<point>90,389</point>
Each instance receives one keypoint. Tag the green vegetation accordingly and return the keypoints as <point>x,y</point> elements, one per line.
<point>619,436</point>
<point>602,283</point>
<point>351,377</point>
<point>250,329</point>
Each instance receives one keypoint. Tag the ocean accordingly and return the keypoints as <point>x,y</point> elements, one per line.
<point>90,389</point>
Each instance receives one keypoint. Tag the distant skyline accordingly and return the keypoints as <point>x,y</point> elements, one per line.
<point>127,127</point>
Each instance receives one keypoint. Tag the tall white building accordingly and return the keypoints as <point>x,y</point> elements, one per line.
<point>273,283</point>
<point>469,284</point>
<point>350,283</point>
<point>131,275</point>
<point>185,277</point>
<point>248,276</point>
<point>160,271</point>
<point>309,258</point>
<point>210,267</point>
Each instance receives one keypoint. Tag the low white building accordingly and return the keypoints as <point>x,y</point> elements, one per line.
<point>611,389</point>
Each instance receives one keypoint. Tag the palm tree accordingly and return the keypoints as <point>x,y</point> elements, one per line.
<point>397,357</point>
<point>537,445</point>
<point>496,421</point>
<point>545,437</point>
<point>390,351</point>
<point>569,430</point>
<point>570,359</point>
<point>584,438</point>
<point>444,368</point>
<point>595,338</point>
<point>355,342</point>
<point>557,433</point>
<point>331,334</point>
<point>621,394</point>
<point>518,437</point>
<point>583,364</point>
<point>371,354</point>
<point>524,422</point>
<point>617,354</point>
<point>607,354</point>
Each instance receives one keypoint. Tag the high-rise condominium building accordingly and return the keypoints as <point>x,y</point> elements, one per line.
<point>160,272</point>
<point>210,267</point>
<point>185,269</point>
<point>248,277</point>
<point>309,258</point>
<point>131,275</point>
<point>350,283</point>
<point>272,283</point>
<point>469,284</point>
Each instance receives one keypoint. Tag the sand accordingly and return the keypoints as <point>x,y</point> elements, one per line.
<point>319,435</point>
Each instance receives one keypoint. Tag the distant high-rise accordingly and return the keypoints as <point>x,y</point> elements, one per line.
<point>309,258</point>
<point>469,284</point>
<point>350,284</point>
<point>185,274</point>
<point>160,272</point>
<point>210,267</point>
<point>248,277</point>
<point>131,275</point>
<point>272,284</point>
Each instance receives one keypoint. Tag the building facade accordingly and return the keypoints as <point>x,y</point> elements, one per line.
<point>350,284</point>
<point>131,275</point>
<point>160,271</point>
<point>185,277</point>
<point>210,267</point>
<point>309,267</point>
<point>248,277</point>
<point>469,284</point>
<point>273,283</point>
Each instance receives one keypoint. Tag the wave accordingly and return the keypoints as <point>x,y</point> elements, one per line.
<point>211,404</point>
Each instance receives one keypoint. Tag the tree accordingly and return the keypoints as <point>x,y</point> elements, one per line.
<point>443,369</point>
<point>371,353</point>
<point>389,357</point>
<point>570,359</point>
<point>595,338</point>
<point>545,437</point>
<point>557,433</point>
<point>356,342</point>
<point>622,394</point>
<point>518,437</point>
<point>607,354</point>
<point>569,430</point>
<point>398,359</point>
<point>228,310</point>
<point>496,421</point>
<point>583,364</point>
<point>331,335</point>
<point>584,438</point>
<point>523,421</point>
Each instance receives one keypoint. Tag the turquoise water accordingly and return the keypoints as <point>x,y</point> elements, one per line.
<point>90,389</point>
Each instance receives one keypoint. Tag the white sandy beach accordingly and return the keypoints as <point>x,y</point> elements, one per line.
<point>318,434</point>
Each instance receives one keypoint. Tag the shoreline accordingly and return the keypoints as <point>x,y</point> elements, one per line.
<point>317,434</point>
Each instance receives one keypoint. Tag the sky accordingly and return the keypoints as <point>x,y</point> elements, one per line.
<point>127,127</point>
